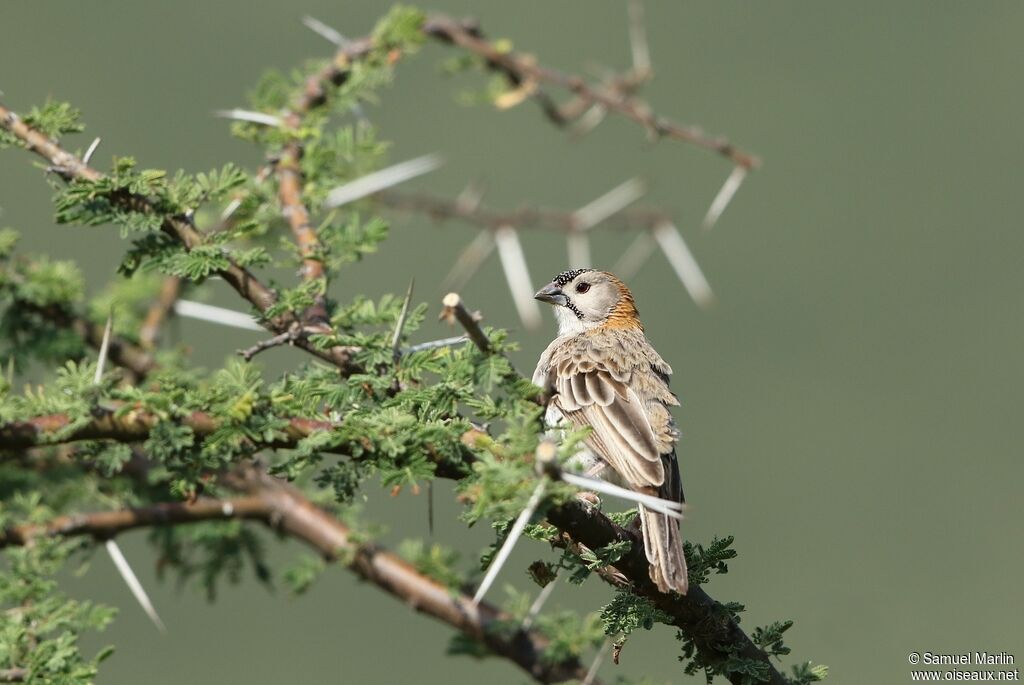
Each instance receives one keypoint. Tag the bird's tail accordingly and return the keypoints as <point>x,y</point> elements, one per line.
<point>663,543</point>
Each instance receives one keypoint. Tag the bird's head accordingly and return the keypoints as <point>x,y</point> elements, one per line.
<point>585,299</point>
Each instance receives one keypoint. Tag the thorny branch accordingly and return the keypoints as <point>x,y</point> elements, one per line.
<point>522,71</point>
<point>290,189</point>
<point>136,426</point>
<point>697,614</point>
<point>440,208</point>
<point>454,310</point>
<point>285,509</point>
<point>245,283</point>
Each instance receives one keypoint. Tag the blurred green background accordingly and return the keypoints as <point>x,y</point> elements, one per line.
<point>851,405</point>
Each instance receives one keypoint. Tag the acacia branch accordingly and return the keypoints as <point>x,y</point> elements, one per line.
<point>699,616</point>
<point>523,70</point>
<point>696,613</point>
<point>285,509</point>
<point>244,282</point>
<point>290,188</point>
<point>136,426</point>
<point>442,209</point>
<point>455,310</point>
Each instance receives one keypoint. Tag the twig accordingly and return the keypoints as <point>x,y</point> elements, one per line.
<point>149,333</point>
<point>133,426</point>
<point>519,69</point>
<point>290,187</point>
<point>137,425</point>
<point>286,338</point>
<point>648,221</point>
<point>455,310</point>
<point>441,209</point>
<point>13,675</point>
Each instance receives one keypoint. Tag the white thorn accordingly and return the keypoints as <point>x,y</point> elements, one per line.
<point>132,581</point>
<point>101,361</point>
<point>635,256</point>
<point>662,506</point>
<point>684,263</point>
<point>590,120</point>
<point>230,209</point>
<point>595,665</point>
<point>513,261</point>
<point>325,31</point>
<point>88,153</point>
<point>382,180</point>
<point>638,38</point>
<point>436,344</point>
<point>724,197</point>
<point>400,323</point>
<point>469,199</point>
<point>468,261</point>
<point>219,315</point>
<point>510,542</point>
<point>249,115</point>
<point>612,202</point>
<point>578,244</point>
<point>538,604</point>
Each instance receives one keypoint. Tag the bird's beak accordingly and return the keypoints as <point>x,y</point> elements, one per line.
<point>551,294</point>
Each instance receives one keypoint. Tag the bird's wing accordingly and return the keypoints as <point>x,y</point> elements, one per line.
<point>591,393</point>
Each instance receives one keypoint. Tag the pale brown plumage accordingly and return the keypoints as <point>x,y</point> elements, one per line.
<point>604,374</point>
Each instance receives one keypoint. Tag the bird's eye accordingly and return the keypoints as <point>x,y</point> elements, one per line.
<point>582,287</point>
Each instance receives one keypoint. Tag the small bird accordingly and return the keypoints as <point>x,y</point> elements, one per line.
<point>603,373</point>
